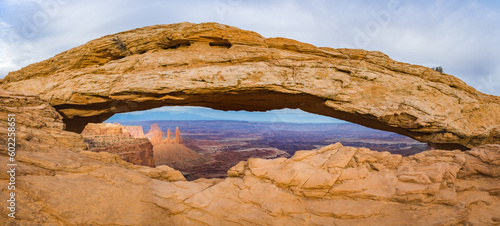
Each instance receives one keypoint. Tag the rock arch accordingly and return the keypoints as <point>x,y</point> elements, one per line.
<point>226,68</point>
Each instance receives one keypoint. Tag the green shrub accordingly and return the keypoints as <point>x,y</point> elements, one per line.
<point>438,69</point>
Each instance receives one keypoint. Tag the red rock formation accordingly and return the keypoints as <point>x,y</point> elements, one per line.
<point>137,151</point>
<point>115,138</point>
<point>135,131</point>
<point>173,153</point>
<point>177,139</point>
<point>168,139</point>
<point>96,129</point>
<point>157,137</point>
<point>153,128</point>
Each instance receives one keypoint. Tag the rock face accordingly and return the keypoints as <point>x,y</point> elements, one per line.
<point>172,152</point>
<point>135,131</point>
<point>335,185</point>
<point>153,128</point>
<point>226,68</point>
<point>168,139</point>
<point>175,155</point>
<point>157,137</point>
<point>115,138</point>
<point>177,139</point>
<point>39,127</point>
<point>101,129</point>
<point>53,162</point>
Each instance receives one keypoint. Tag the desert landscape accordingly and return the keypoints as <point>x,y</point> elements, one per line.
<point>73,169</point>
<point>209,149</point>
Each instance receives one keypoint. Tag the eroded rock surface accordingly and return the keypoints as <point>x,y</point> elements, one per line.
<point>55,170</point>
<point>135,131</point>
<point>117,139</point>
<point>227,68</point>
<point>173,152</point>
<point>59,183</point>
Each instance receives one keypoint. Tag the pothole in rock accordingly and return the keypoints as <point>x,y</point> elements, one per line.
<point>205,143</point>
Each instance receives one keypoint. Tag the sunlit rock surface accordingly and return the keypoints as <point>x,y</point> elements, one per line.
<point>60,183</point>
<point>117,139</point>
<point>227,68</point>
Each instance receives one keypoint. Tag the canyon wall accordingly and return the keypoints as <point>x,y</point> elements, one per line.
<point>115,138</point>
<point>135,131</point>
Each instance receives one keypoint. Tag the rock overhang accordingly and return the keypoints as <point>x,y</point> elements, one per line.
<point>226,68</point>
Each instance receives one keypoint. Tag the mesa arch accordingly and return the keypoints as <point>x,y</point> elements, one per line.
<point>226,68</point>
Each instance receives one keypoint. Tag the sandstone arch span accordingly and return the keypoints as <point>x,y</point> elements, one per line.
<point>226,68</point>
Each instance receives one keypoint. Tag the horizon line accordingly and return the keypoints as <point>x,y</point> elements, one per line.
<point>231,120</point>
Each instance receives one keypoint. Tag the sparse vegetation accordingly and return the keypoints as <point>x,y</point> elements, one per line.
<point>122,46</point>
<point>438,69</point>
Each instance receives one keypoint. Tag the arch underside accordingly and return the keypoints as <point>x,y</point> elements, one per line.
<point>226,68</point>
<point>248,100</point>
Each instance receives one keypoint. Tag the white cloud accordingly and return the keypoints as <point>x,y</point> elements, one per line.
<point>175,109</point>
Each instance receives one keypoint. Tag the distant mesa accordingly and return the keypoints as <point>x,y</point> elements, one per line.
<point>154,128</point>
<point>101,129</point>
<point>114,138</point>
<point>135,131</point>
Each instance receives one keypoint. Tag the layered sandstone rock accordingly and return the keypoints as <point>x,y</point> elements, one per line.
<point>177,139</point>
<point>154,127</point>
<point>115,138</point>
<point>176,155</point>
<point>157,137</point>
<point>335,185</point>
<point>226,68</point>
<point>135,131</point>
<point>100,129</point>
<point>173,152</point>
<point>168,139</point>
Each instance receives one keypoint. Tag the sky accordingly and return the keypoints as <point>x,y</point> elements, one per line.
<point>202,113</point>
<point>461,36</point>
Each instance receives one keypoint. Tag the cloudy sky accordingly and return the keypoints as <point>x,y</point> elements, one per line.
<point>461,36</point>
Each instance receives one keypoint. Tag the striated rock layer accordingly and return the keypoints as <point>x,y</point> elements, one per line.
<point>103,129</point>
<point>117,139</point>
<point>334,185</point>
<point>52,162</point>
<point>135,131</point>
<point>227,68</point>
<point>173,152</point>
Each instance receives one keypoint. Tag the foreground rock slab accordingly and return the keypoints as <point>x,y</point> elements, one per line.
<point>226,68</point>
<point>60,183</point>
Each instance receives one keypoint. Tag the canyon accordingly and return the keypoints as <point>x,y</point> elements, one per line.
<point>61,182</point>
<point>200,163</point>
